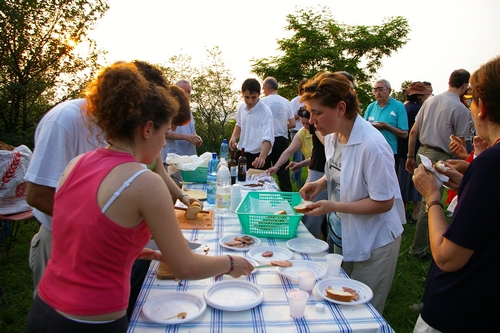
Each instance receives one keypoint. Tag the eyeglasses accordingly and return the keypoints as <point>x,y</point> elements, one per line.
<point>467,100</point>
<point>379,89</point>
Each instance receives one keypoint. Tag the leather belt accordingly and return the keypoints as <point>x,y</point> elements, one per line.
<point>435,148</point>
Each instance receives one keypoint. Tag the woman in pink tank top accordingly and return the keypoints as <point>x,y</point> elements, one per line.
<point>108,205</point>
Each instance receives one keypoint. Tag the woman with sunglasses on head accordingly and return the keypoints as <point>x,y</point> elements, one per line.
<point>107,206</point>
<point>462,293</point>
<point>365,207</point>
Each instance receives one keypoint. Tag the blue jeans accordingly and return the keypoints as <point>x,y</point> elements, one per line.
<point>297,157</point>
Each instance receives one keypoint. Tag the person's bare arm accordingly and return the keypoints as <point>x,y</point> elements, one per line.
<point>412,141</point>
<point>264,151</point>
<point>396,131</point>
<point>291,123</point>
<point>194,139</point>
<point>294,146</point>
<point>174,190</point>
<point>235,136</point>
<point>40,197</point>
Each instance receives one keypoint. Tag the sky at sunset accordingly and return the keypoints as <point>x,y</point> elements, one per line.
<point>445,34</point>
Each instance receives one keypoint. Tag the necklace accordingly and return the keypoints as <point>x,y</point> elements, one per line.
<point>116,147</point>
<point>494,143</point>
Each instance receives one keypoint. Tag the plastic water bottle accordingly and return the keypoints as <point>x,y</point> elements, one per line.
<point>212,178</point>
<point>223,192</point>
<point>224,150</point>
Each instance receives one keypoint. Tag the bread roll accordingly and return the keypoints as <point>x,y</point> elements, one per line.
<point>339,295</point>
<point>302,208</point>
<point>440,167</point>
<point>193,210</point>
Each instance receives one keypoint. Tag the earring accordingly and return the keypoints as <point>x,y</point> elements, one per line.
<point>147,137</point>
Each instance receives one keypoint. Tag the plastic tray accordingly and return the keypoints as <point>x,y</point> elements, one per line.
<point>269,225</point>
<point>199,175</point>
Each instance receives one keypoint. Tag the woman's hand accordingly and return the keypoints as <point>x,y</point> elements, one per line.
<point>479,145</point>
<point>458,165</point>
<point>458,150</point>
<point>187,200</point>
<point>241,267</point>
<point>272,170</point>
<point>320,207</point>
<point>454,176</point>
<point>294,166</point>
<point>150,254</point>
<point>310,190</point>
<point>426,184</point>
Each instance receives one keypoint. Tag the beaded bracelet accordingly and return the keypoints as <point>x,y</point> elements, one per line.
<point>182,196</point>
<point>232,264</point>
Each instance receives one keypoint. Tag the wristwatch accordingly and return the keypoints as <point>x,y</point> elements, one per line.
<point>432,203</point>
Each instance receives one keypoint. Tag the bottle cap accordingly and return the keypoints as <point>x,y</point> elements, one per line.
<point>320,307</point>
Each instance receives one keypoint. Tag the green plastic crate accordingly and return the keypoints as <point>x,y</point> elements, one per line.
<point>266,225</point>
<point>199,175</point>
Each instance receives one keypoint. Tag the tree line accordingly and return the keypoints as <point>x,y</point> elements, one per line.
<point>41,63</point>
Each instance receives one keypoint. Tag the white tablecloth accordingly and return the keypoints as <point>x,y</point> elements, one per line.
<point>272,315</point>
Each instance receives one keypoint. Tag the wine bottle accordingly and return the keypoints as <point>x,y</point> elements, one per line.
<point>233,168</point>
<point>242,166</point>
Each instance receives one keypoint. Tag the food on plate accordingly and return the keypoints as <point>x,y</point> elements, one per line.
<point>345,295</point>
<point>282,212</point>
<point>180,315</point>
<point>302,208</point>
<point>456,139</point>
<point>240,242</point>
<point>235,243</point>
<point>258,184</point>
<point>440,166</point>
<point>192,211</point>
<point>267,254</point>
<point>245,239</point>
<point>281,263</point>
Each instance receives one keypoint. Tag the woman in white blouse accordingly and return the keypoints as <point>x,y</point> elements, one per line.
<point>365,209</point>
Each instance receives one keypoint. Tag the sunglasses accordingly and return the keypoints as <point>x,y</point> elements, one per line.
<point>467,100</point>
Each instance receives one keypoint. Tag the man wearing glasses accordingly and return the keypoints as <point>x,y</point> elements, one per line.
<point>388,115</point>
<point>439,117</point>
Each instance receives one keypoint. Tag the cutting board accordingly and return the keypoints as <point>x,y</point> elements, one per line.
<point>203,221</point>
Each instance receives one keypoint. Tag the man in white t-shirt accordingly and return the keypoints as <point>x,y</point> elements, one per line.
<point>283,120</point>
<point>254,127</point>
<point>61,135</point>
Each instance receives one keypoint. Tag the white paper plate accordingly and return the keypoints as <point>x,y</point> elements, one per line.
<point>365,293</point>
<point>241,249</point>
<point>279,253</point>
<point>170,303</point>
<point>307,245</point>
<point>301,265</point>
<point>233,295</point>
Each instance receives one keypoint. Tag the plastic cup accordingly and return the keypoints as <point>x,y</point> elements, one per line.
<point>371,120</point>
<point>306,280</point>
<point>297,300</point>
<point>235,197</point>
<point>333,262</point>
